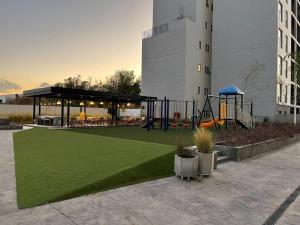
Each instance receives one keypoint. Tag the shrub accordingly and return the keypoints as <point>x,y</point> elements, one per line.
<point>203,140</point>
<point>20,118</point>
<point>180,148</point>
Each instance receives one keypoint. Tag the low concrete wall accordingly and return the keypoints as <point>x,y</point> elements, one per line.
<point>248,151</point>
<point>11,127</point>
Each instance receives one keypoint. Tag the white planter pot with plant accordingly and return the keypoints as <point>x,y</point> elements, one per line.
<point>186,164</point>
<point>204,142</point>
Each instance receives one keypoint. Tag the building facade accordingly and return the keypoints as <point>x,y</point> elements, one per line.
<point>252,46</point>
<point>253,42</point>
<point>176,59</point>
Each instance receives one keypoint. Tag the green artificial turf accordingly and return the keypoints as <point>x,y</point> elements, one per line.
<point>54,165</point>
<point>140,134</point>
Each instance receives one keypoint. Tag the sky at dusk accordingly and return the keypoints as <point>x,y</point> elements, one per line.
<point>45,41</point>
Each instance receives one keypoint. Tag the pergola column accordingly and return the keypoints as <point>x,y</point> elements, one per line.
<point>62,112</point>
<point>33,112</point>
<point>114,108</point>
<point>68,113</point>
<point>40,102</point>
<point>84,109</point>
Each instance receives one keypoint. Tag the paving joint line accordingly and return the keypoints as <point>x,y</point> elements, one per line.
<point>279,212</point>
<point>64,215</point>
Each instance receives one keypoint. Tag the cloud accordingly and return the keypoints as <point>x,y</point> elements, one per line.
<point>44,84</point>
<point>8,87</point>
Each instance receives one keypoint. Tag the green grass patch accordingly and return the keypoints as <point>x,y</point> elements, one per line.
<point>54,165</point>
<point>140,134</point>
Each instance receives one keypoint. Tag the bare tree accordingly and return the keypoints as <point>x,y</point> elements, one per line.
<point>253,71</point>
<point>250,83</point>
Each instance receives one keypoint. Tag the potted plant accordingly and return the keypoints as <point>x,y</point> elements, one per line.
<point>186,164</point>
<point>204,142</point>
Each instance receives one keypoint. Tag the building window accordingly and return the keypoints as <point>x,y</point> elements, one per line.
<point>206,91</point>
<point>206,25</point>
<point>199,67</point>
<point>292,95</point>
<point>279,92</point>
<point>286,19</point>
<point>211,28</point>
<point>286,94</point>
<point>286,69</point>
<point>207,4</point>
<point>286,44</point>
<point>199,90</point>
<point>207,47</point>
<point>280,65</point>
<point>280,38</point>
<point>207,70</point>
<point>280,11</point>
<point>200,44</point>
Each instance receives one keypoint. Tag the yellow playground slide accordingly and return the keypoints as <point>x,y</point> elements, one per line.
<point>212,123</point>
<point>223,111</point>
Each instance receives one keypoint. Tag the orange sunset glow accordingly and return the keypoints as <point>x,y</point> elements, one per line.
<point>43,42</point>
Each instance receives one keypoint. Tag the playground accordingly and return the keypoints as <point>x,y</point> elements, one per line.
<point>225,110</point>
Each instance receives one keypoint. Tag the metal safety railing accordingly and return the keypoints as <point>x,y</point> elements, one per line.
<point>245,118</point>
<point>156,31</point>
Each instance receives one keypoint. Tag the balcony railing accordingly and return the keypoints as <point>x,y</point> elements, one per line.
<point>156,31</point>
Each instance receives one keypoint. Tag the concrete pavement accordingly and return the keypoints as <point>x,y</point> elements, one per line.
<point>7,174</point>
<point>242,193</point>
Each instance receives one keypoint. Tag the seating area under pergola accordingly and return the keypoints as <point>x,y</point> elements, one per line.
<point>66,97</point>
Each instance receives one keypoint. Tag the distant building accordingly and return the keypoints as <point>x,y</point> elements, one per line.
<point>2,99</point>
<point>5,98</point>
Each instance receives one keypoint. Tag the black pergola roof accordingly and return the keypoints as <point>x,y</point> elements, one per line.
<point>77,94</point>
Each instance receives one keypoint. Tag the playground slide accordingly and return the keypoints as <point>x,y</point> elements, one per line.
<point>212,123</point>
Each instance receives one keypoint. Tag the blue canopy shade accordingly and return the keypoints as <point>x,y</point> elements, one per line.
<point>231,90</point>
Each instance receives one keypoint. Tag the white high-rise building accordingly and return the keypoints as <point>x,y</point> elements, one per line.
<point>199,46</point>
<point>176,60</point>
<point>254,39</point>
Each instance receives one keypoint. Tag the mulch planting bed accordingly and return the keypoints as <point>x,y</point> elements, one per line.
<point>262,133</point>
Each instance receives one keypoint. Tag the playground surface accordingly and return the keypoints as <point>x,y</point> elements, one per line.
<point>245,193</point>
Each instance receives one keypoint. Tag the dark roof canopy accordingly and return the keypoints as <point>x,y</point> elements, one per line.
<point>77,94</point>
